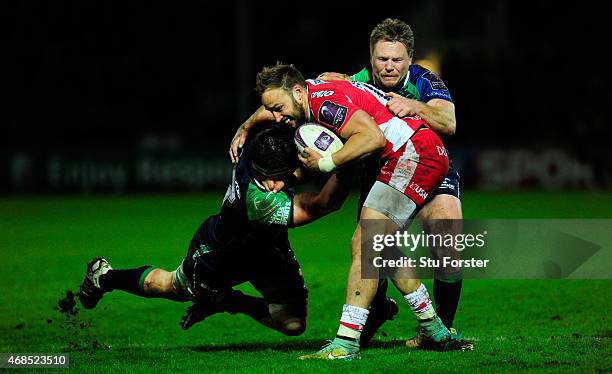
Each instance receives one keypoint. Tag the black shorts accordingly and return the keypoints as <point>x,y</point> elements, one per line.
<point>450,184</point>
<point>270,266</point>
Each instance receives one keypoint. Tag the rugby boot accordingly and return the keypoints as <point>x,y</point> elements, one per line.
<point>337,349</point>
<point>90,291</point>
<point>433,337</point>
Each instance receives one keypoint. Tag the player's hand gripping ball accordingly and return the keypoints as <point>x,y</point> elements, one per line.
<point>318,138</point>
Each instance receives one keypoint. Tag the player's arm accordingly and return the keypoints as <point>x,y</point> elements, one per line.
<point>363,138</point>
<point>260,115</point>
<point>308,206</point>
<point>438,113</point>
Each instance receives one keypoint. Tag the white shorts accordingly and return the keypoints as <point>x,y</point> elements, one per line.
<point>392,203</point>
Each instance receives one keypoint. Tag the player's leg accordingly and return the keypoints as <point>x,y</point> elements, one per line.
<point>402,191</point>
<point>359,296</point>
<point>425,168</point>
<point>231,301</point>
<point>207,276</point>
<point>216,273</point>
<point>360,293</point>
<point>383,307</point>
<point>144,281</point>
<point>278,277</point>
<point>389,210</point>
<point>283,316</point>
<point>442,215</point>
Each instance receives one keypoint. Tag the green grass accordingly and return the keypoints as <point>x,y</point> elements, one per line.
<point>550,326</point>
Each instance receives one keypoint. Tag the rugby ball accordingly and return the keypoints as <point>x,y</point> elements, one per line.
<point>318,138</point>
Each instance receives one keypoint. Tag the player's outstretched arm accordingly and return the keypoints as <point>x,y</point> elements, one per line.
<point>438,113</point>
<point>260,115</point>
<point>309,206</point>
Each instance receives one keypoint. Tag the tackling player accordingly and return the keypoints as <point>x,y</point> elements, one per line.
<point>412,166</point>
<point>246,242</point>
<point>414,90</point>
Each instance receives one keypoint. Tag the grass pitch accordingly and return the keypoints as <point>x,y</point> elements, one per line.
<point>45,242</point>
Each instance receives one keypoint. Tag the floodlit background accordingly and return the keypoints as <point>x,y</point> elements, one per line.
<point>136,96</point>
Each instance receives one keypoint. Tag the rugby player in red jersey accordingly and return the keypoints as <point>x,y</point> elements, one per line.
<point>413,163</point>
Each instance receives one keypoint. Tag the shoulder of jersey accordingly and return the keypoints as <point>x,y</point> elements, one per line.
<point>322,84</point>
<point>417,70</point>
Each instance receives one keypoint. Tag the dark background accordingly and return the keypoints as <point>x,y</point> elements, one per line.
<point>108,82</point>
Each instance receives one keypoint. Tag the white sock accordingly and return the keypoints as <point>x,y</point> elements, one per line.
<point>352,321</point>
<point>420,303</point>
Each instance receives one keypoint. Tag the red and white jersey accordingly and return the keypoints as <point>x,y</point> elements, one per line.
<point>332,103</point>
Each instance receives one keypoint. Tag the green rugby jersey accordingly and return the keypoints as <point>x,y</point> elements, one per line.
<point>249,214</point>
<point>420,84</point>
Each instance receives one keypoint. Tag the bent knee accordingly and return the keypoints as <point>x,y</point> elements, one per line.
<point>441,207</point>
<point>293,326</point>
<point>158,281</point>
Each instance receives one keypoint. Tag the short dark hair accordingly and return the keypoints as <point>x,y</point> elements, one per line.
<point>278,76</point>
<point>393,30</point>
<point>273,152</point>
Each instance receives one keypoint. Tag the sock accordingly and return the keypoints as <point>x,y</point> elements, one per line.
<point>351,323</point>
<point>446,296</point>
<point>420,304</point>
<point>130,280</point>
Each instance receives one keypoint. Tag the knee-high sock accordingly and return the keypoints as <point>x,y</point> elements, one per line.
<point>128,280</point>
<point>446,296</point>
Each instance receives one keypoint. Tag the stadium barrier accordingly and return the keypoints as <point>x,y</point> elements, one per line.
<point>188,170</point>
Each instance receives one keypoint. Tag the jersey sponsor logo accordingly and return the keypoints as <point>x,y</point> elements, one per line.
<point>435,82</point>
<point>273,211</point>
<point>442,151</point>
<point>319,94</point>
<point>281,216</point>
<point>332,114</point>
<point>448,183</point>
<point>419,190</point>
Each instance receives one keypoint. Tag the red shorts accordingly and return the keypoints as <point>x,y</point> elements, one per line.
<point>418,167</point>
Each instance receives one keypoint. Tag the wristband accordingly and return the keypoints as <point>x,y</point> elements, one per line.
<point>326,164</point>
